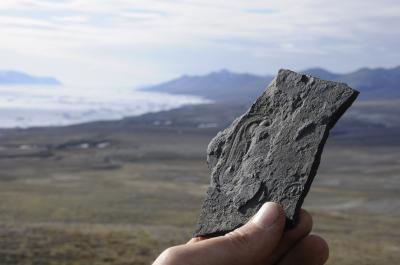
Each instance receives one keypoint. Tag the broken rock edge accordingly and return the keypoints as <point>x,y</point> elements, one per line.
<point>314,167</point>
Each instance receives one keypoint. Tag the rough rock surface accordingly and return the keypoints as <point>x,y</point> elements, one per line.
<point>272,152</point>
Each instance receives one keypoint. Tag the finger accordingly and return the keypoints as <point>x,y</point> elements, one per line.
<point>292,236</point>
<point>311,250</point>
<point>250,244</point>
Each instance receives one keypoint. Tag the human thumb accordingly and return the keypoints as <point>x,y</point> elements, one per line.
<point>252,243</point>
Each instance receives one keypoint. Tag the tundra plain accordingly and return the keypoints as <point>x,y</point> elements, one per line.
<point>121,192</point>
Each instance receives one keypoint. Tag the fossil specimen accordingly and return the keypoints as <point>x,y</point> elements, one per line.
<point>271,152</point>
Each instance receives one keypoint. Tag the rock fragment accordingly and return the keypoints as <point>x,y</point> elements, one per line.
<point>272,152</point>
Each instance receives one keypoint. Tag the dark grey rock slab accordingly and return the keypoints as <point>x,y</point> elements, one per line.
<point>272,152</point>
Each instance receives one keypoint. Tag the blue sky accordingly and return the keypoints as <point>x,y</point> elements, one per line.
<point>131,43</point>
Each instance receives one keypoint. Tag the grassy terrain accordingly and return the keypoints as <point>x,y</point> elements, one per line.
<point>119,195</point>
<point>63,244</point>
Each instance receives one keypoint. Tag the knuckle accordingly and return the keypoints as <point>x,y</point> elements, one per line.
<point>240,241</point>
<point>170,256</point>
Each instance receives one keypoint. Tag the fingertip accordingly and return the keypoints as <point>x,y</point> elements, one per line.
<point>301,230</point>
<point>274,204</point>
<point>312,250</point>
<point>270,214</point>
<point>305,221</point>
<point>320,247</point>
<point>281,215</point>
<point>292,236</point>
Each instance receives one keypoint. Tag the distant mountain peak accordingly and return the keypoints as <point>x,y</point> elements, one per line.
<point>12,77</point>
<point>321,73</point>
<point>318,69</point>
<point>221,85</point>
<point>224,71</point>
<point>224,85</point>
<point>221,72</point>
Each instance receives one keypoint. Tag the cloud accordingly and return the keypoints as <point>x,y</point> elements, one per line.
<point>260,10</point>
<point>124,34</point>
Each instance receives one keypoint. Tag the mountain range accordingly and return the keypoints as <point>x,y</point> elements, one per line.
<point>226,86</point>
<point>21,78</point>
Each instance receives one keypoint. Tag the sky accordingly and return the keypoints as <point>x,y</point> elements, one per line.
<point>134,43</point>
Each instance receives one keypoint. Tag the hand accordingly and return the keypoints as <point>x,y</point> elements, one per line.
<point>262,241</point>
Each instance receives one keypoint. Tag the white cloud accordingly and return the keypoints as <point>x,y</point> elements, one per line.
<point>88,33</point>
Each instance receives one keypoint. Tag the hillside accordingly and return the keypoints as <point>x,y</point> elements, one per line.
<point>219,86</point>
<point>377,83</point>
<point>20,78</point>
<point>225,86</point>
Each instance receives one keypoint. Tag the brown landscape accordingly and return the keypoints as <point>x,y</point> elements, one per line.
<point>107,108</point>
<point>121,192</point>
